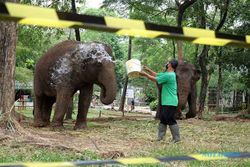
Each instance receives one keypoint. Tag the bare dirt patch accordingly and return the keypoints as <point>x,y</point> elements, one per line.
<point>237,118</point>
<point>101,137</point>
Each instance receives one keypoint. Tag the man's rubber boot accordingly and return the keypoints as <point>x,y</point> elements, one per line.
<point>175,133</point>
<point>161,131</point>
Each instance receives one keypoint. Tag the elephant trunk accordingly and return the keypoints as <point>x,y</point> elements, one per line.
<point>107,82</point>
<point>183,92</point>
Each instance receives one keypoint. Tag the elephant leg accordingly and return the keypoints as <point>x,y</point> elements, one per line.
<point>83,106</point>
<point>38,122</point>
<point>157,115</point>
<point>63,99</point>
<point>70,111</point>
<point>178,114</point>
<point>192,104</point>
<point>182,100</point>
<point>46,109</point>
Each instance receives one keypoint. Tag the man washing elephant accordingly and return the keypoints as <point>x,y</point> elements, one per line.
<point>65,68</point>
<point>169,99</point>
<point>187,77</point>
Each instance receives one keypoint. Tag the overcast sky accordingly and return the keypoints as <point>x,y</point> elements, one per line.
<point>94,3</point>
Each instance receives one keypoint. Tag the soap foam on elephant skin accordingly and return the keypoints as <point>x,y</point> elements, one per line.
<point>84,54</point>
<point>94,51</point>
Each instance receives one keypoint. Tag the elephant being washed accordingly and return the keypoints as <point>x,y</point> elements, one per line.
<point>187,76</point>
<point>65,68</point>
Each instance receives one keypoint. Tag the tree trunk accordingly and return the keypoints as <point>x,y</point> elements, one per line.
<point>123,98</point>
<point>8,39</point>
<point>219,88</point>
<point>179,50</point>
<point>219,85</point>
<point>77,31</point>
<point>179,43</point>
<point>204,54</point>
<point>204,79</point>
<point>173,49</point>
<point>248,102</point>
<point>234,97</point>
<point>181,9</point>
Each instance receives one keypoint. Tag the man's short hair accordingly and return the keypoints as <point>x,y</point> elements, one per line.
<point>174,63</point>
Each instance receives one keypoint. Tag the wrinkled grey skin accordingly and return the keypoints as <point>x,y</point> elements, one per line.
<point>65,68</point>
<point>187,76</point>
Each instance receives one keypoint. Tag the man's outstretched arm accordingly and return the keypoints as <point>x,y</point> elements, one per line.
<point>152,78</point>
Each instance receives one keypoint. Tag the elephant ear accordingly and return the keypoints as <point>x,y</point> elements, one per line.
<point>196,76</point>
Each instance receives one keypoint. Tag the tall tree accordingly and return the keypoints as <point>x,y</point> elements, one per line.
<point>8,39</point>
<point>121,108</point>
<point>182,6</point>
<point>77,31</point>
<point>203,57</point>
<point>219,83</point>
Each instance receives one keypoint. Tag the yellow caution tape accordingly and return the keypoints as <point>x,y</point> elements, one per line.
<point>52,23</point>
<point>209,156</point>
<point>196,32</point>
<point>33,15</point>
<point>133,161</point>
<point>24,11</point>
<point>211,41</point>
<point>140,33</point>
<point>146,160</point>
<point>124,23</point>
<point>248,38</point>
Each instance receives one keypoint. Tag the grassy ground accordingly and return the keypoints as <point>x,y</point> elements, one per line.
<point>113,136</point>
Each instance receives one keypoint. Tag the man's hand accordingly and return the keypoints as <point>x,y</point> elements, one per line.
<point>152,78</point>
<point>146,68</point>
<point>149,70</point>
<point>143,73</point>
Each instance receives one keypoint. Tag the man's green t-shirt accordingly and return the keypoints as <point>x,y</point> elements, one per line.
<point>169,88</point>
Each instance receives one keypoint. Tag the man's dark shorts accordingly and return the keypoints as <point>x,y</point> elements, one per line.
<point>167,115</point>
